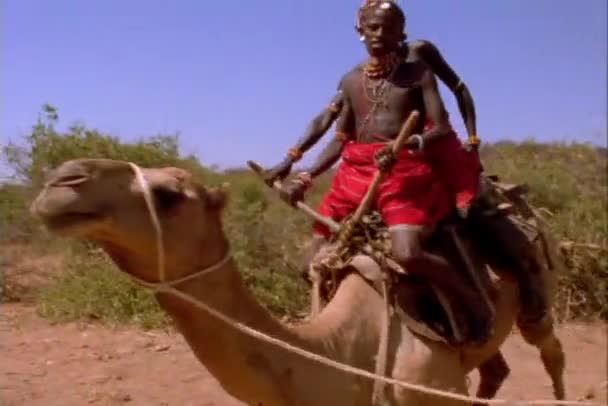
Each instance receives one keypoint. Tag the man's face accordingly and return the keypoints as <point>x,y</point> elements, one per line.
<point>382,30</point>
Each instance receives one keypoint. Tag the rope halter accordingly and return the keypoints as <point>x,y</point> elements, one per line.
<point>163,284</point>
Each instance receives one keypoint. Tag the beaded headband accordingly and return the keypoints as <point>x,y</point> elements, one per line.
<point>382,4</point>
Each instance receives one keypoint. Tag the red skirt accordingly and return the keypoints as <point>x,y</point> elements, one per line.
<point>410,194</point>
<point>459,168</point>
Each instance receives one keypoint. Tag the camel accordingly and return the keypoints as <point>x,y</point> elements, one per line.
<point>101,200</point>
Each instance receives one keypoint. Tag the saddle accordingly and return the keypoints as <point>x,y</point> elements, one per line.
<point>423,308</point>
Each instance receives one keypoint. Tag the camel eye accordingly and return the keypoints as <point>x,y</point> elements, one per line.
<point>167,199</point>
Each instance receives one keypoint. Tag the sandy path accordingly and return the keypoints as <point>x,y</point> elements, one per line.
<point>72,364</point>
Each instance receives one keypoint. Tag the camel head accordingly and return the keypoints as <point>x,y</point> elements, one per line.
<point>100,200</point>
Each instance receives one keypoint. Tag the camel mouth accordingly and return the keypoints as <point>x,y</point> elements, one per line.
<point>67,223</point>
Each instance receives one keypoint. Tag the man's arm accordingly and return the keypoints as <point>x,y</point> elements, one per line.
<point>294,190</point>
<point>332,151</point>
<point>314,132</point>
<point>429,53</point>
<point>435,109</point>
<point>321,123</point>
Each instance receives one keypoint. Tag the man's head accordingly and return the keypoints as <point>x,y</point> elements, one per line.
<point>381,24</point>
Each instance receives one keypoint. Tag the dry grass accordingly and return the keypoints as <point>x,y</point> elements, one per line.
<point>26,269</point>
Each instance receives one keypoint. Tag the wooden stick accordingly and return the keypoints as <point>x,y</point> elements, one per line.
<point>406,130</point>
<point>333,225</point>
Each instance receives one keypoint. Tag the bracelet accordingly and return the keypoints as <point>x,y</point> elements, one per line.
<point>296,154</point>
<point>333,107</point>
<point>420,140</point>
<point>342,136</point>
<point>474,140</point>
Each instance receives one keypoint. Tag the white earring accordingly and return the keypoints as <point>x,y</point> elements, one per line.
<point>362,38</point>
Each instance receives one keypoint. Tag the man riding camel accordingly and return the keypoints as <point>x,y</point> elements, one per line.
<point>377,98</point>
<point>427,52</point>
<point>457,166</point>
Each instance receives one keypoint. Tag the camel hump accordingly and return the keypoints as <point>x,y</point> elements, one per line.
<point>407,310</point>
<point>418,306</point>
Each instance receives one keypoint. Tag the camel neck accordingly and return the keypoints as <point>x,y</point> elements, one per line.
<point>256,371</point>
<point>242,364</point>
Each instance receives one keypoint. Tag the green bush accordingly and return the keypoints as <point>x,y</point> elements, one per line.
<point>568,181</point>
<point>92,289</point>
<point>15,221</point>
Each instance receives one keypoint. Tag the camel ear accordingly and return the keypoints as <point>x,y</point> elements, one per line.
<point>217,197</point>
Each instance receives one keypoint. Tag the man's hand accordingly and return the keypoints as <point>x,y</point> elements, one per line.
<point>385,157</point>
<point>414,143</point>
<point>278,172</point>
<point>293,191</point>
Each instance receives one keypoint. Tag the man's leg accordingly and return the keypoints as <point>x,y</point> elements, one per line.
<point>335,205</point>
<point>321,233</point>
<point>407,251</point>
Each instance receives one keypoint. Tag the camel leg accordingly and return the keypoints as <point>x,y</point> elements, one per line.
<point>492,374</point>
<point>542,336</point>
<point>457,385</point>
<point>436,366</point>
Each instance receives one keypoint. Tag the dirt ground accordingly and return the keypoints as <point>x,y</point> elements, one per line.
<point>80,364</point>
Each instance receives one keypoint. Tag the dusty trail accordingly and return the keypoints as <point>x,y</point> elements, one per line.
<point>79,364</point>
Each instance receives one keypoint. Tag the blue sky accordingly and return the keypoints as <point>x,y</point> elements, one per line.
<point>240,80</point>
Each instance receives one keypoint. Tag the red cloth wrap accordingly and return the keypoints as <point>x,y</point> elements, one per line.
<point>459,168</point>
<point>411,193</point>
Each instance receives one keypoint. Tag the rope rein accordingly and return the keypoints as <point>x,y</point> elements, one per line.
<point>169,287</point>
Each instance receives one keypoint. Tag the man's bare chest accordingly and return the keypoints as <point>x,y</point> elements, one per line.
<point>388,95</point>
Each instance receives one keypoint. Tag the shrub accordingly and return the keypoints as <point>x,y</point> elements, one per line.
<point>567,181</point>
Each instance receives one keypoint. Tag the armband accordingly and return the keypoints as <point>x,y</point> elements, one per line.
<point>474,140</point>
<point>296,154</point>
